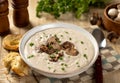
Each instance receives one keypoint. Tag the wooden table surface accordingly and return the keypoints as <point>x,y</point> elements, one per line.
<point>112,77</point>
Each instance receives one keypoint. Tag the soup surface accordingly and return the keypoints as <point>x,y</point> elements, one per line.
<point>59,50</point>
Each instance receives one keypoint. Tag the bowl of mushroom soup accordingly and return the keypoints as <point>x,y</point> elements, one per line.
<point>111,18</point>
<point>58,50</point>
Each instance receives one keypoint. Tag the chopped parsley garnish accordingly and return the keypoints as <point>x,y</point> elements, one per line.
<point>70,38</point>
<point>46,36</point>
<point>69,56</point>
<point>78,66</point>
<point>82,42</point>
<point>30,56</point>
<point>57,39</point>
<point>52,56</point>
<point>85,56</point>
<point>56,51</point>
<point>63,68</point>
<point>50,47</point>
<point>40,37</point>
<point>54,70</point>
<point>66,65</point>
<point>31,44</point>
<point>61,35</point>
<point>66,32</point>
<point>77,62</point>
<point>49,68</point>
<point>44,33</point>
<point>63,64</point>
<point>61,58</point>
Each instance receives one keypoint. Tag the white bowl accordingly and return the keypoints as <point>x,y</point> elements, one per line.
<point>31,32</point>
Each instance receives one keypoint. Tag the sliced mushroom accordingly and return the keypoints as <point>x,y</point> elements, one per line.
<point>72,51</point>
<point>67,45</point>
<point>53,43</point>
<point>112,37</point>
<point>47,49</point>
<point>43,48</point>
<point>53,48</point>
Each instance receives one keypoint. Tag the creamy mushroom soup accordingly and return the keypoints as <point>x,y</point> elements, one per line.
<point>59,50</point>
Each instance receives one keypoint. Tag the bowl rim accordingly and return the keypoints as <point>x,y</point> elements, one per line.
<point>32,31</point>
<point>106,10</point>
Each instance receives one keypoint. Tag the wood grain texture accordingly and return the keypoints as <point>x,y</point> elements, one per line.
<point>112,77</point>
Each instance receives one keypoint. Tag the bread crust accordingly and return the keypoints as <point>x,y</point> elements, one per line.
<point>14,62</point>
<point>11,42</point>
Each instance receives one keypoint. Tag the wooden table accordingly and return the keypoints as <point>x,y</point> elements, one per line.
<point>112,77</point>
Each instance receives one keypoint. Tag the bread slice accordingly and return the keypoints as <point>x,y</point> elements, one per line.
<point>7,60</point>
<point>14,62</point>
<point>19,67</point>
<point>11,42</point>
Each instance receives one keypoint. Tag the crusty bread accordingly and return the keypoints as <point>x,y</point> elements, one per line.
<point>11,42</point>
<point>14,62</point>
<point>19,67</point>
<point>9,58</point>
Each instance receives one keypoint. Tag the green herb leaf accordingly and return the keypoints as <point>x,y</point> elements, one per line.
<point>85,56</point>
<point>50,47</point>
<point>78,66</point>
<point>63,64</point>
<point>61,35</point>
<point>52,56</point>
<point>66,32</point>
<point>30,56</point>
<point>82,42</point>
<point>58,7</point>
<point>70,38</point>
<point>57,39</point>
<point>49,68</point>
<point>61,58</point>
<point>63,68</point>
<point>31,44</point>
<point>77,62</point>
<point>54,70</point>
